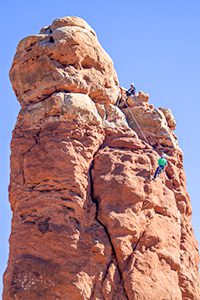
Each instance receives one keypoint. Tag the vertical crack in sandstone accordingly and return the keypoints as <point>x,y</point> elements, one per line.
<point>95,201</point>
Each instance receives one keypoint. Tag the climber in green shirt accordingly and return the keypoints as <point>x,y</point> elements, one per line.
<point>162,163</point>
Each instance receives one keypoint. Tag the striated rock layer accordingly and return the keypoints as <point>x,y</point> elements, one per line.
<point>88,223</point>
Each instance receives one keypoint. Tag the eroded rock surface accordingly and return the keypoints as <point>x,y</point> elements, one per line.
<point>65,56</point>
<point>88,223</point>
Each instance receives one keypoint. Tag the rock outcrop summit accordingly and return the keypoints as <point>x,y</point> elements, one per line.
<point>88,222</point>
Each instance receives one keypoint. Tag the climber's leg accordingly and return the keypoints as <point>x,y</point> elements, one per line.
<point>161,170</point>
<point>158,171</point>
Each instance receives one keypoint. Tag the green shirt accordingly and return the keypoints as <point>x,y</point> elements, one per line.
<point>162,161</point>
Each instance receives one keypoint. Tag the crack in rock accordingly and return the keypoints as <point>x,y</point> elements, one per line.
<point>95,201</point>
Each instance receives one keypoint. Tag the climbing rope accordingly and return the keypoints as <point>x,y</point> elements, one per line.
<point>136,122</point>
<point>146,140</point>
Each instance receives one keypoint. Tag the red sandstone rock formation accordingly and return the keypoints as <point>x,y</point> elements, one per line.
<point>88,223</point>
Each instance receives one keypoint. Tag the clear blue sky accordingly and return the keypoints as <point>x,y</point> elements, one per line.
<point>154,43</point>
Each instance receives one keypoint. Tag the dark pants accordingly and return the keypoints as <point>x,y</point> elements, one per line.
<point>158,171</point>
<point>130,93</point>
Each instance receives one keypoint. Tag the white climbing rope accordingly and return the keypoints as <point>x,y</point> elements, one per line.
<point>146,140</point>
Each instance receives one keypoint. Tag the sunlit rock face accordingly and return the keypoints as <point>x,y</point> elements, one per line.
<point>65,56</point>
<point>88,221</point>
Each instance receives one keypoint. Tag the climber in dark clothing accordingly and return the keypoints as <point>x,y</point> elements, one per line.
<point>131,91</point>
<point>162,163</point>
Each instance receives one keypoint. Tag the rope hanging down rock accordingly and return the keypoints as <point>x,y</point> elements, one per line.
<point>146,140</point>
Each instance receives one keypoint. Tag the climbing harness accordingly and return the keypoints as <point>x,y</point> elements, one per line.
<point>146,140</point>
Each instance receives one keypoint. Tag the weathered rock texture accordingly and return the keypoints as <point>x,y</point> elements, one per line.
<point>88,223</point>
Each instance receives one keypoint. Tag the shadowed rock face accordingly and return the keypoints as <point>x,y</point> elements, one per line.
<point>88,223</point>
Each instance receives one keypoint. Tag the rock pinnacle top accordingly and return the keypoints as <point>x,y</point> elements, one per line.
<point>65,56</point>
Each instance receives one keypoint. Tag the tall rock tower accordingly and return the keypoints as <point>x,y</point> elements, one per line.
<point>88,221</point>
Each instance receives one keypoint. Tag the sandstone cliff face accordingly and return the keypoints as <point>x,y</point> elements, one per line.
<point>88,223</point>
